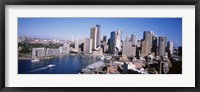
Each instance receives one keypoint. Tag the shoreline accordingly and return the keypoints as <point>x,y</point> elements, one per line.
<point>43,58</point>
<point>52,57</point>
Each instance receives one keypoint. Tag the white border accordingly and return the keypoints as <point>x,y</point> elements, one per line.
<point>187,79</point>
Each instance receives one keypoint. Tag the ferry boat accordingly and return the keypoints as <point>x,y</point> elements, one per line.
<point>50,65</point>
<point>35,60</point>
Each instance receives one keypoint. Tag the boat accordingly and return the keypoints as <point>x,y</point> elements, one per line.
<point>35,60</point>
<point>50,65</point>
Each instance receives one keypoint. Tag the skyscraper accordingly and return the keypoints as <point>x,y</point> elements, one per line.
<point>138,48</point>
<point>104,38</point>
<point>154,44</point>
<point>105,46</point>
<point>112,42</point>
<point>134,44</point>
<point>118,40</point>
<point>170,47</point>
<point>139,43</point>
<point>133,39</point>
<point>162,46</point>
<point>76,45</point>
<point>87,48</point>
<point>115,42</point>
<point>128,49</point>
<point>147,36</point>
<point>98,34</point>
<point>93,36</point>
<point>145,48</point>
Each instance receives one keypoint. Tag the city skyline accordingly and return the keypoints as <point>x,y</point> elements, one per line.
<point>79,28</point>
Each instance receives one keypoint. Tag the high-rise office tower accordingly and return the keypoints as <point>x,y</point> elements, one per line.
<point>162,46</point>
<point>170,47</point>
<point>139,43</point>
<point>112,42</point>
<point>128,49</point>
<point>118,40</point>
<point>134,44</point>
<point>105,47</point>
<point>87,48</point>
<point>145,48</point>
<point>104,38</point>
<point>115,42</point>
<point>147,36</point>
<point>154,44</point>
<point>93,36</point>
<point>98,34</point>
<point>76,45</point>
<point>138,48</point>
<point>133,39</point>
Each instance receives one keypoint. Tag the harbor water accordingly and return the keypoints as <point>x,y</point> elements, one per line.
<point>67,64</point>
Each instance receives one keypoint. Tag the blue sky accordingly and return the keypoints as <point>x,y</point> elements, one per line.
<point>68,28</point>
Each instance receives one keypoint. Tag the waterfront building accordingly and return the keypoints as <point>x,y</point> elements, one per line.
<point>93,36</point>
<point>145,48</point>
<point>147,36</point>
<point>61,49</point>
<point>52,52</point>
<point>87,48</point>
<point>162,46</point>
<point>115,42</point>
<point>170,47</point>
<point>66,48</point>
<point>38,52</point>
<point>33,52</point>
<point>42,52</point>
